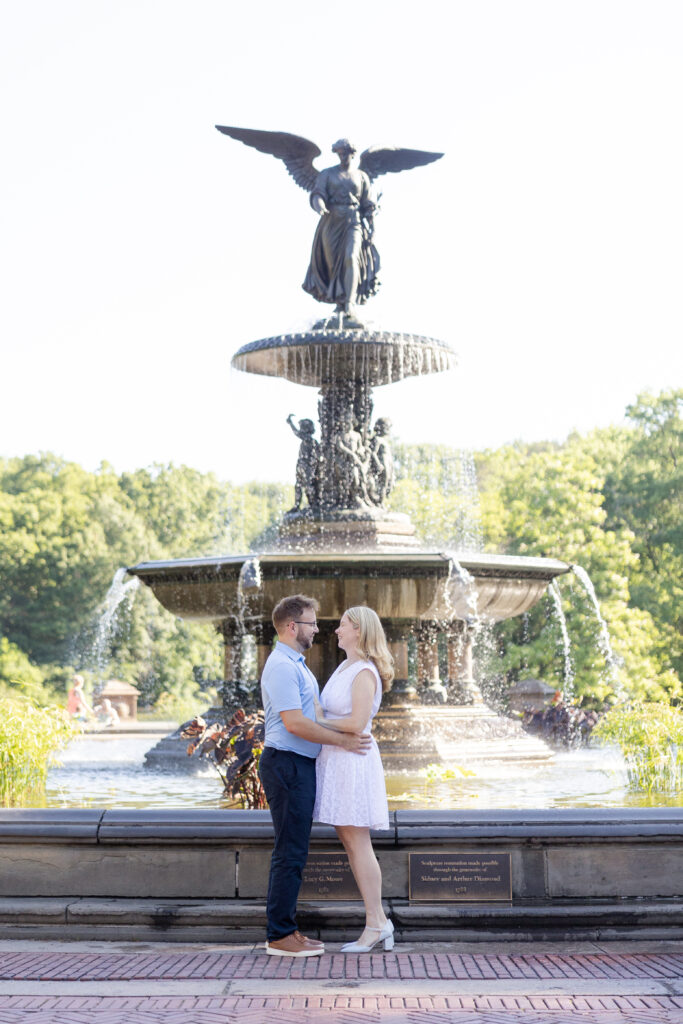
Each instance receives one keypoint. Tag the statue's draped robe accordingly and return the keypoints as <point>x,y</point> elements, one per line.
<point>341,233</point>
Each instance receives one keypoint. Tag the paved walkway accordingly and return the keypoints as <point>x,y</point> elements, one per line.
<point>440,983</point>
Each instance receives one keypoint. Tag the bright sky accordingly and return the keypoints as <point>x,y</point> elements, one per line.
<point>141,248</point>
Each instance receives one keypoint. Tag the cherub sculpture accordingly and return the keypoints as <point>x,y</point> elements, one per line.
<point>307,464</point>
<point>344,262</point>
<point>350,467</point>
<point>381,462</point>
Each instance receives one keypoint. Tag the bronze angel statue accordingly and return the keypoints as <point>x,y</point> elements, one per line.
<point>344,263</point>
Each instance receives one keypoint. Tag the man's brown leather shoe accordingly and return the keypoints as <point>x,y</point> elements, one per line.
<point>306,938</point>
<point>293,946</point>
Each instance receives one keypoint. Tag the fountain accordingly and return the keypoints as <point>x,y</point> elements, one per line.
<point>576,874</point>
<point>340,543</point>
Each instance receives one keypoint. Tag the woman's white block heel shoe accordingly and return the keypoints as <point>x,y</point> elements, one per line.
<point>387,935</point>
<point>384,934</point>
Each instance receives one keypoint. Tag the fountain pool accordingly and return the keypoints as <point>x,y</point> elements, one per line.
<point>107,770</point>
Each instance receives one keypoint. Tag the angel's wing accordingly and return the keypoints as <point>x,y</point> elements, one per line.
<point>382,159</point>
<point>296,153</point>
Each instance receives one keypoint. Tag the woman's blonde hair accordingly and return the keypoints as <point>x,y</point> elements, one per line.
<point>372,643</point>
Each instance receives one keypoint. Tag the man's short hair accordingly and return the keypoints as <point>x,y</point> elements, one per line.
<point>291,608</point>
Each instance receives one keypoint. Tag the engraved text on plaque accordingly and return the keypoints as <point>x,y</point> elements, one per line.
<point>459,876</point>
<point>327,876</point>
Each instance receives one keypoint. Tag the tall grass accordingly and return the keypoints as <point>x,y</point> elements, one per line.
<point>29,739</point>
<point>651,739</point>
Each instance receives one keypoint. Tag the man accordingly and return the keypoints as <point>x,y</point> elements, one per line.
<point>287,768</point>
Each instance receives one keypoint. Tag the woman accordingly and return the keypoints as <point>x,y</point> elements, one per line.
<point>76,704</point>
<point>351,794</point>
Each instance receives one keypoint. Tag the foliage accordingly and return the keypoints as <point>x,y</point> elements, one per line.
<point>180,707</point>
<point>193,514</point>
<point>42,684</point>
<point>64,532</point>
<point>29,738</point>
<point>609,501</point>
<point>644,492</point>
<point>161,655</point>
<point>651,739</point>
<point>431,487</point>
<point>440,773</point>
<point>570,501</point>
<point>18,672</point>
<point>561,725</point>
<point>235,750</point>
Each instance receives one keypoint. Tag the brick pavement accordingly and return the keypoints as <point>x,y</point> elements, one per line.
<point>64,983</point>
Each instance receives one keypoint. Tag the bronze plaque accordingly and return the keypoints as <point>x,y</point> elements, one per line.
<point>327,876</point>
<point>459,876</point>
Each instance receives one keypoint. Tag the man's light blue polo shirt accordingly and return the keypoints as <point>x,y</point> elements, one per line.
<point>288,684</point>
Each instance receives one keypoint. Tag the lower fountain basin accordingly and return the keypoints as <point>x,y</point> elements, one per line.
<point>408,585</point>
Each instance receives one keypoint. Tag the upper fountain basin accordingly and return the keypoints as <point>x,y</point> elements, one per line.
<point>320,356</point>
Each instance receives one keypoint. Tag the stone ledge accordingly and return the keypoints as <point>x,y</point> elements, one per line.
<point>244,921</point>
<point>57,825</point>
<point>408,827</point>
<point>33,910</point>
<point>416,826</point>
<point>185,826</point>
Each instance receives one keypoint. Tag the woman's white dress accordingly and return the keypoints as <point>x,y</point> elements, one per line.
<point>350,787</point>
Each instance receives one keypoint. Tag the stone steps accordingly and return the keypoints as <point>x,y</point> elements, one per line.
<point>223,920</point>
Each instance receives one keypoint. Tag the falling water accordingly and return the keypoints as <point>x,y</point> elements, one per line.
<point>461,591</point>
<point>120,590</point>
<point>250,577</point>
<point>469,535</point>
<point>525,638</point>
<point>554,591</point>
<point>604,641</point>
<point>249,583</point>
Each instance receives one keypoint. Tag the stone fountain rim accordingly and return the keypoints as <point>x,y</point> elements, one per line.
<point>340,343</point>
<point>369,336</point>
<point>524,566</point>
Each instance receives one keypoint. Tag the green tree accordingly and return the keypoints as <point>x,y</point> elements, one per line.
<point>433,489</point>
<point>644,492</point>
<point>184,510</point>
<point>18,673</point>
<point>192,514</point>
<point>548,499</point>
<point>63,531</point>
<point>550,502</point>
<point>160,653</point>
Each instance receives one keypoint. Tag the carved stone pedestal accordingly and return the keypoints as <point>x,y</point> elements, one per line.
<point>345,530</point>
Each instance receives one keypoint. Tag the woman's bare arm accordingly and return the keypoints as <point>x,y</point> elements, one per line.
<point>362,696</point>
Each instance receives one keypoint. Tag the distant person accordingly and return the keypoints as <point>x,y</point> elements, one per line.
<point>287,767</point>
<point>351,794</point>
<point>107,715</point>
<point>76,704</point>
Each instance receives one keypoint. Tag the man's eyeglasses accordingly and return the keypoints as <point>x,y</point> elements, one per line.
<point>304,622</point>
